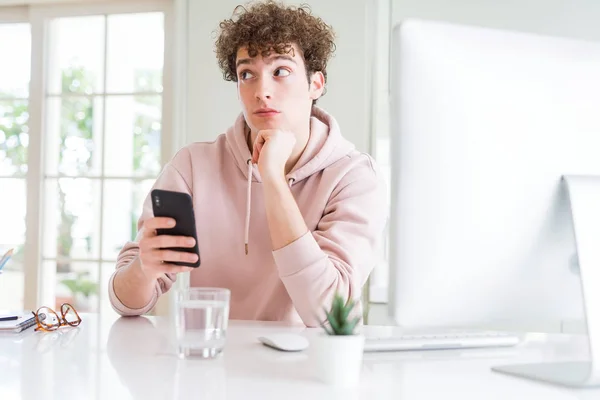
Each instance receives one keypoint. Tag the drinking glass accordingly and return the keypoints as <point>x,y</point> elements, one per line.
<point>201,321</point>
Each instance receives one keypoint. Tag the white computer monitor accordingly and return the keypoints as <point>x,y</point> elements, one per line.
<point>484,124</point>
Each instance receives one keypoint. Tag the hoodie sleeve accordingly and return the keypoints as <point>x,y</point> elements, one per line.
<point>169,179</point>
<point>341,253</point>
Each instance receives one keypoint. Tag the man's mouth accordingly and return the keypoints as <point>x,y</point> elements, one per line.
<point>266,112</point>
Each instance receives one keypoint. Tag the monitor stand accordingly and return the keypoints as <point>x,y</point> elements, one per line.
<point>584,195</point>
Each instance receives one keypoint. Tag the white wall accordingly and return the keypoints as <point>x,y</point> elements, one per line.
<point>212,103</point>
<point>570,18</point>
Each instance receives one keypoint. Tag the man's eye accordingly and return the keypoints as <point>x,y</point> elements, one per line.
<point>245,75</point>
<point>282,72</point>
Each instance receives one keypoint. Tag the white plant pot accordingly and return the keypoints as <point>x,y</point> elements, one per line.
<point>338,360</point>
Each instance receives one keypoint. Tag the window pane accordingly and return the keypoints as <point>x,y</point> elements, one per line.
<point>133,128</point>
<point>135,53</point>
<point>79,287</point>
<point>76,63</point>
<point>73,136</point>
<point>71,220</point>
<point>14,137</point>
<point>12,235</point>
<point>380,275</point>
<point>12,286</point>
<point>15,64</point>
<point>123,200</point>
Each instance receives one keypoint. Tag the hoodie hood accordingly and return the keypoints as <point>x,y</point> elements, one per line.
<point>325,146</point>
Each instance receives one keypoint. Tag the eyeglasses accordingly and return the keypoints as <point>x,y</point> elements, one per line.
<point>48,320</point>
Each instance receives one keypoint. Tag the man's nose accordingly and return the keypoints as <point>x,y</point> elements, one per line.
<point>264,91</point>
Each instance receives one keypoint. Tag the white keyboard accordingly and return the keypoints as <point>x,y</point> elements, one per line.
<point>438,341</point>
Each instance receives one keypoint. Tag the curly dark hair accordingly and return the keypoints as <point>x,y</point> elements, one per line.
<point>272,26</point>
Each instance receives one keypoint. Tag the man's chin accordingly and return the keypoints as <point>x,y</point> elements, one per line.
<point>264,125</point>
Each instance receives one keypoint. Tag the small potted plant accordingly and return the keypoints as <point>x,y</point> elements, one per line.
<point>338,351</point>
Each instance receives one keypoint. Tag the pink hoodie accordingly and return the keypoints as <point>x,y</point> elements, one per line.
<point>338,191</point>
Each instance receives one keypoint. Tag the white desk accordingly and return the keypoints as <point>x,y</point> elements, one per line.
<point>133,358</point>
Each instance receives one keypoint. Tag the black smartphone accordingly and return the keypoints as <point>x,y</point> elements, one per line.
<point>179,206</point>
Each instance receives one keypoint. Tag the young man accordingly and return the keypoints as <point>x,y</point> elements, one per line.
<point>288,213</point>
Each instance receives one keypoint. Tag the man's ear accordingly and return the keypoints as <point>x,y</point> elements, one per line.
<point>317,85</point>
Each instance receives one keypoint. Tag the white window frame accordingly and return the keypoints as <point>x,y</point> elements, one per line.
<point>380,97</point>
<point>13,15</point>
<point>38,14</point>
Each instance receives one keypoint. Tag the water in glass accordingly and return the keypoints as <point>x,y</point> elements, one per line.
<point>202,322</point>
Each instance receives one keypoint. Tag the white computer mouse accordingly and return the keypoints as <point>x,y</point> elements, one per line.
<point>285,341</point>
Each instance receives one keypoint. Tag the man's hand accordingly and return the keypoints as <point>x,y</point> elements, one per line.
<point>155,255</point>
<point>272,150</point>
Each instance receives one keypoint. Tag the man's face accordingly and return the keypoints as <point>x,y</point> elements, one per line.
<point>274,90</point>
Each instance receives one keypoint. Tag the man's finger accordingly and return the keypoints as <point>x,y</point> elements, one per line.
<point>153,224</point>
<point>166,241</point>
<point>170,256</point>
<point>258,145</point>
<point>177,269</point>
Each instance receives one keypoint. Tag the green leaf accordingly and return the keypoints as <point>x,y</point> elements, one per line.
<point>346,331</point>
<point>352,324</point>
<point>338,314</point>
<point>335,307</point>
<point>334,324</point>
<point>346,311</point>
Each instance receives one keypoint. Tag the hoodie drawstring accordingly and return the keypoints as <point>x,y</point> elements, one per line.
<point>248,199</point>
<point>248,204</point>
